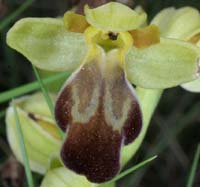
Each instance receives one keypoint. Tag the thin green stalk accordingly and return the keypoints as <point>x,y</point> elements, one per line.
<point>132,169</point>
<point>47,97</point>
<point>163,143</point>
<point>7,95</point>
<point>17,12</point>
<point>23,149</point>
<point>194,167</point>
<point>148,101</point>
<point>44,91</point>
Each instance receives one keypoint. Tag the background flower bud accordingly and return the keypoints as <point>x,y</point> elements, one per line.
<point>63,177</point>
<point>177,23</point>
<point>40,132</point>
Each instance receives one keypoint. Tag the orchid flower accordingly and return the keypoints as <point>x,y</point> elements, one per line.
<point>107,50</point>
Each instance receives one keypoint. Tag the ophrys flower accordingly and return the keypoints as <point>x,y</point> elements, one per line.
<point>106,51</point>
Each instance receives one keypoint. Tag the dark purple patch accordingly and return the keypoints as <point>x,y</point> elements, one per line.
<point>93,149</point>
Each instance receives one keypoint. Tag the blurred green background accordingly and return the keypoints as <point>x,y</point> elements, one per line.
<point>175,128</point>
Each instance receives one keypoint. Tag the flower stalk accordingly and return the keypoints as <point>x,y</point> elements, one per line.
<point>148,99</point>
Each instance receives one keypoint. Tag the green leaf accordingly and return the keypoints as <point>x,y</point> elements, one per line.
<point>20,137</point>
<point>47,97</point>
<point>47,44</point>
<point>177,23</point>
<point>193,86</point>
<point>7,95</point>
<point>114,17</point>
<point>132,169</point>
<point>163,65</point>
<point>194,167</point>
<point>5,22</point>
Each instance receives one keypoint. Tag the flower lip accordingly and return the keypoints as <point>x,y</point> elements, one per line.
<point>99,111</point>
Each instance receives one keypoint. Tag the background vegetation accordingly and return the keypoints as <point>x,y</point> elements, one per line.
<point>174,132</point>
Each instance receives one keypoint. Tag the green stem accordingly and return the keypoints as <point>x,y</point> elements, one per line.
<point>47,98</point>
<point>23,149</point>
<point>132,169</point>
<point>7,95</point>
<point>17,12</point>
<point>148,101</point>
<point>194,167</point>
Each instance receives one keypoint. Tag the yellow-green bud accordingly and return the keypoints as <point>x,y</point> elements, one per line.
<point>64,177</point>
<point>39,130</point>
<point>182,23</point>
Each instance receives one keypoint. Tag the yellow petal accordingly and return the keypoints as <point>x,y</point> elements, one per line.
<point>75,22</point>
<point>145,37</point>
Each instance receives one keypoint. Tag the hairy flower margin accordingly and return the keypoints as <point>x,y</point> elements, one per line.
<point>107,52</point>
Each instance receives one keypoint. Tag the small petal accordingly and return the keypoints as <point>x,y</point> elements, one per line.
<point>114,17</point>
<point>40,133</point>
<point>163,65</point>
<point>145,37</point>
<point>47,44</point>
<point>99,111</point>
<point>177,23</point>
<point>195,37</point>
<point>75,22</point>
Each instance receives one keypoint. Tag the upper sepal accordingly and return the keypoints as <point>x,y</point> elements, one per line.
<point>166,64</point>
<point>114,17</point>
<point>47,44</point>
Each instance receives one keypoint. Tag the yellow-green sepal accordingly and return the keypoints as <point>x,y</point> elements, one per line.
<point>114,17</point>
<point>40,133</point>
<point>47,44</point>
<point>193,86</point>
<point>166,64</point>
<point>177,23</point>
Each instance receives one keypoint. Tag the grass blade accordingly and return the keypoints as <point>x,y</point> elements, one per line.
<point>23,149</point>
<point>7,95</point>
<point>44,91</point>
<point>47,97</point>
<point>17,12</point>
<point>134,168</point>
<point>194,167</point>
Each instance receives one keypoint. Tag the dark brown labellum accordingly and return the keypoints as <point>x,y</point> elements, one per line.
<point>99,112</point>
